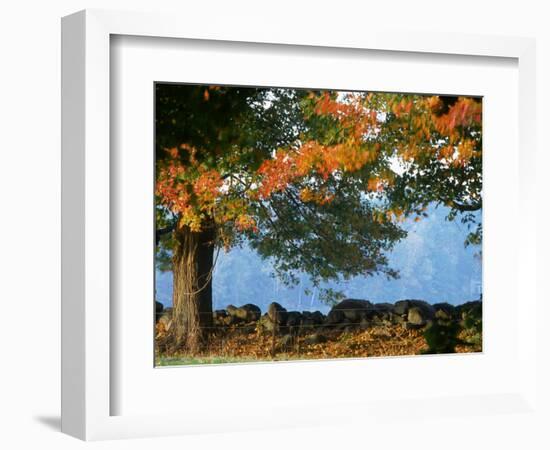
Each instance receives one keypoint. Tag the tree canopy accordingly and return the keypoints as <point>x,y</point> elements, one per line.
<point>319,181</point>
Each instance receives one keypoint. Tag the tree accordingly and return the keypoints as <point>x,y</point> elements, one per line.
<point>429,149</point>
<point>316,180</point>
<point>208,139</point>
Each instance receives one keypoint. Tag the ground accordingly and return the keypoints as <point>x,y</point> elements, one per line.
<point>248,344</point>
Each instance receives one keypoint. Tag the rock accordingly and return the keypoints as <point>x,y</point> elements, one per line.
<point>159,307</point>
<point>471,308</point>
<point>312,320</point>
<point>228,320</point>
<point>352,309</point>
<point>402,308</point>
<point>248,312</point>
<point>383,306</point>
<point>277,313</point>
<point>231,310</point>
<point>245,313</point>
<point>471,314</point>
<point>318,317</point>
<point>293,319</point>
<point>240,314</point>
<point>307,319</point>
<point>381,312</point>
<point>398,319</point>
<point>335,316</point>
<point>254,312</point>
<point>315,339</point>
<point>444,311</point>
<point>265,324</point>
<point>415,316</point>
<point>219,316</point>
<point>342,326</point>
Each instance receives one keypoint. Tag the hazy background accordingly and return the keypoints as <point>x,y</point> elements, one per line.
<point>433,263</point>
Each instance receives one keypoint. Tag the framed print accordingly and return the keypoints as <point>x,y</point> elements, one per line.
<point>304,202</point>
<point>268,212</point>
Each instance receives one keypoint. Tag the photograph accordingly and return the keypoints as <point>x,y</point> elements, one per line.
<point>298,224</point>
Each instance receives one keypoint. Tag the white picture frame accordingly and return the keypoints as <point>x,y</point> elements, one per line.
<point>87,325</point>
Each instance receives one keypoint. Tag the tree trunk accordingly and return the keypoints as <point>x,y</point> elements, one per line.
<point>192,293</point>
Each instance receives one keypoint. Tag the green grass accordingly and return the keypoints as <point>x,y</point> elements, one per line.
<point>189,361</point>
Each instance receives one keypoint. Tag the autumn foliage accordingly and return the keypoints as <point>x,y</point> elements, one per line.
<point>381,137</point>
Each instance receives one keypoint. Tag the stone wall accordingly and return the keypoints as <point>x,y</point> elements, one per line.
<point>349,314</point>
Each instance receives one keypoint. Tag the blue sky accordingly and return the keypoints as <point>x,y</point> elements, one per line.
<point>434,266</point>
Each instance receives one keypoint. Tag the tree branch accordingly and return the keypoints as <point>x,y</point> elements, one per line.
<point>159,232</point>
<point>466,208</point>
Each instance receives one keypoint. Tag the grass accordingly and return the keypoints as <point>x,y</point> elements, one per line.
<point>165,361</point>
<point>189,361</point>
